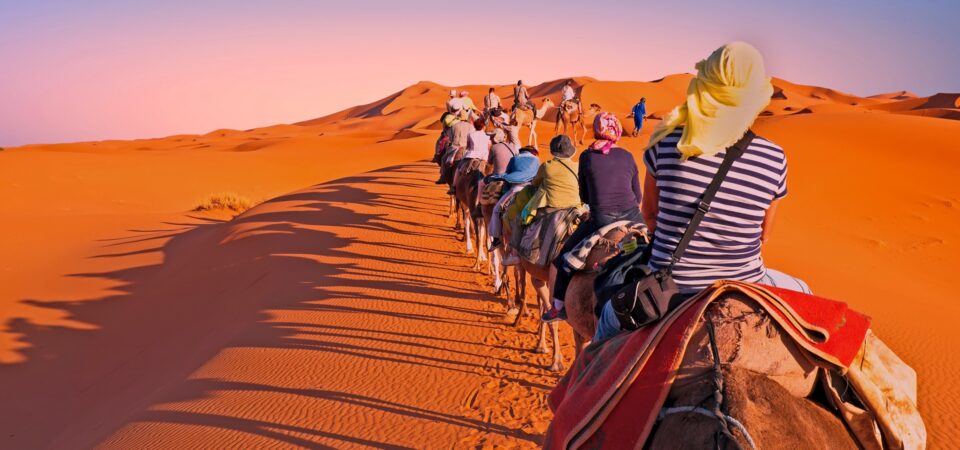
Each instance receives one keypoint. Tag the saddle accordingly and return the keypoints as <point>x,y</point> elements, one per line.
<point>569,106</point>
<point>471,165</point>
<point>543,239</point>
<point>492,192</point>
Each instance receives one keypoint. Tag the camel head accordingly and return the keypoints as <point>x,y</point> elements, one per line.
<point>547,104</point>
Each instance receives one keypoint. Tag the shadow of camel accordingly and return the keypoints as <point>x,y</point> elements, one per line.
<point>162,322</point>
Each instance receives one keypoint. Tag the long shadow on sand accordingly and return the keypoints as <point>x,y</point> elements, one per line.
<point>164,321</point>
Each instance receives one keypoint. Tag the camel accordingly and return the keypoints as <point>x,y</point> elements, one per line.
<point>524,118</point>
<point>517,308</point>
<point>771,416</point>
<point>741,363</point>
<point>539,277</point>
<point>765,381</point>
<point>466,195</point>
<point>575,120</point>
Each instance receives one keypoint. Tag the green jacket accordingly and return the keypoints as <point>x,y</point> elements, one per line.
<point>558,180</point>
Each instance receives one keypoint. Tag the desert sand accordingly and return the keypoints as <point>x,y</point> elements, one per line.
<point>341,312</point>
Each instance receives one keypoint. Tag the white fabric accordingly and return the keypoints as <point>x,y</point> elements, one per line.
<point>478,145</point>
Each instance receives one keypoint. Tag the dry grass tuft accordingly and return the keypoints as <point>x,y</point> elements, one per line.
<point>226,201</point>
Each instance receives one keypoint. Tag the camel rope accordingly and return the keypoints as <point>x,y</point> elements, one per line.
<point>703,411</point>
<point>718,385</point>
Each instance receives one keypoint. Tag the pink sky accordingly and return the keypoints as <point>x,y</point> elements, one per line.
<point>108,69</point>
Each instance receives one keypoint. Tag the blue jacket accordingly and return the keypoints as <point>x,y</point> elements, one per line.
<point>521,169</point>
<point>639,111</point>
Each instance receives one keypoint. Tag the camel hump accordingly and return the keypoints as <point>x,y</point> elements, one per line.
<point>770,415</point>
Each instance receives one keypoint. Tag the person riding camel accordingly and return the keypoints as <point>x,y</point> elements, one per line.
<point>610,185</point>
<point>491,103</point>
<point>500,152</point>
<point>730,90</point>
<point>638,113</point>
<point>454,103</point>
<point>522,100</point>
<point>444,145</point>
<point>468,105</point>
<point>513,135</point>
<point>459,134</point>
<point>520,171</point>
<point>557,178</point>
<point>567,94</point>
<point>477,153</point>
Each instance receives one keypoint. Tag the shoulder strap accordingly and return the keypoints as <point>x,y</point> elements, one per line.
<point>568,168</point>
<point>732,153</point>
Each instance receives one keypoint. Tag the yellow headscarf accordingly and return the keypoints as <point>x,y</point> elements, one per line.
<point>729,92</point>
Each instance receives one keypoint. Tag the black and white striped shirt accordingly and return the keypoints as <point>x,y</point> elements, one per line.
<point>726,245</point>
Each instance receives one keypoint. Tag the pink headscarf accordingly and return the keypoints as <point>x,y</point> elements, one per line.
<point>607,131</point>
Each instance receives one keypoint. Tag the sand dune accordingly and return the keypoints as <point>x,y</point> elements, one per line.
<point>131,322</point>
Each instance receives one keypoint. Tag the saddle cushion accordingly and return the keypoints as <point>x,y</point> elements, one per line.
<point>613,393</point>
<point>492,192</point>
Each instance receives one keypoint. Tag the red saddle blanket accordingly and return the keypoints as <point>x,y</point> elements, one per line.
<point>611,396</point>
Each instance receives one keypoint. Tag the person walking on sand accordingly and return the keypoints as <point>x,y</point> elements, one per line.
<point>638,113</point>
<point>609,184</point>
<point>682,157</point>
<point>521,98</point>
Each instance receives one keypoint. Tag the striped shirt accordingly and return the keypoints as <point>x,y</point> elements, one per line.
<point>726,245</point>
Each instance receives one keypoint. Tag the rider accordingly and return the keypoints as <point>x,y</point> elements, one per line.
<point>522,98</point>
<point>520,171</point>
<point>460,132</point>
<point>454,104</point>
<point>468,105</point>
<point>491,102</point>
<point>610,185</point>
<point>567,94</point>
<point>478,151</point>
<point>638,112</point>
<point>445,144</point>
<point>500,152</point>
<point>557,178</point>
<point>683,155</point>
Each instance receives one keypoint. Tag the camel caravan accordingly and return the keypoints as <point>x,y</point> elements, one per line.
<point>684,338</point>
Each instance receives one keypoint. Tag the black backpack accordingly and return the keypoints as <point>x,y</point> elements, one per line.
<point>641,295</point>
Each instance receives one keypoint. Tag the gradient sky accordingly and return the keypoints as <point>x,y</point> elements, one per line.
<point>95,69</point>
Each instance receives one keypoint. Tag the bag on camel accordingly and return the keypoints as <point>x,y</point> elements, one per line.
<point>543,239</point>
<point>492,192</point>
<point>442,144</point>
<point>649,294</point>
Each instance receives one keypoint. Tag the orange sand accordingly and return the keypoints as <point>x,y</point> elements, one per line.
<point>343,314</point>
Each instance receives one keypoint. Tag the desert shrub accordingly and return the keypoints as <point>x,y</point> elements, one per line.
<point>225,201</point>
